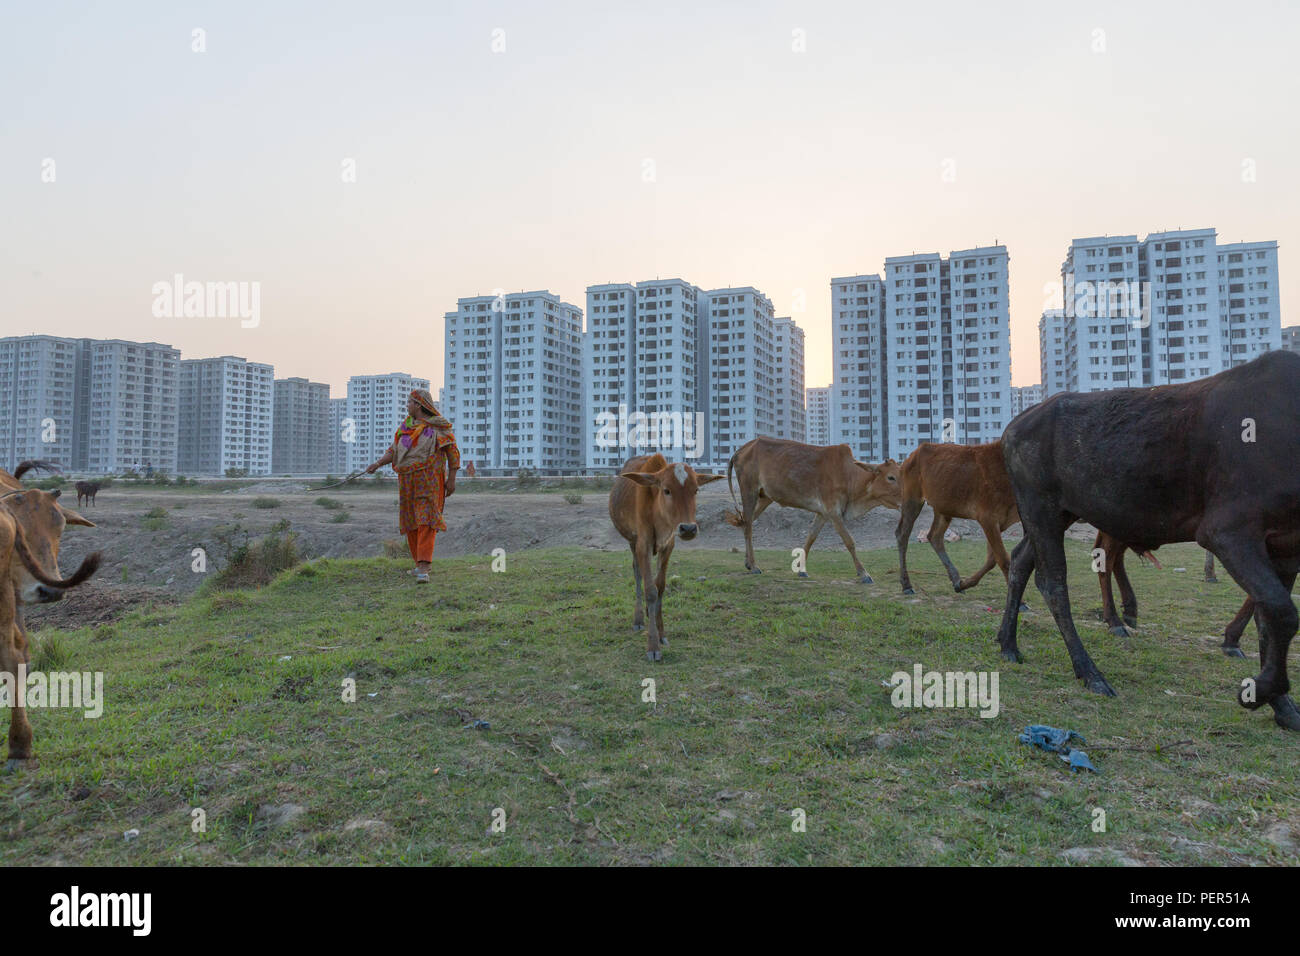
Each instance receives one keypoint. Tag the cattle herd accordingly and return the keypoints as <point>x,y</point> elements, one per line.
<point>1213,461</point>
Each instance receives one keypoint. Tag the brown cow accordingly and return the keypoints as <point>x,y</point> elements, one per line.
<point>652,504</point>
<point>826,480</point>
<point>31,524</point>
<point>87,490</point>
<point>959,481</point>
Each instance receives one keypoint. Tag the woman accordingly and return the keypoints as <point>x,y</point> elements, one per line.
<point>426,459</point>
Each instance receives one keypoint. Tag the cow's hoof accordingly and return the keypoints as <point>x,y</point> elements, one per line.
<point>803,574</point>
<point>1130,621</point>
<point>958,588</point>
<point>1211,580</point>
<point>1119,630</point>
<point>1014,656</point>
<point>654,656</point>
<point>908,591</point>
<point>12,766</point>
<point>1097,684</point>
<point>663,642</point>
<point>638,627</point>
<point>755,571</point>
<point>1024,606</point>
<point>866,579</point>
<point>1232,651</point>
<point>1285,713</point>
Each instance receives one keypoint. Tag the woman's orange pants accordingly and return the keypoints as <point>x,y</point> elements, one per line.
<point>420,541</point>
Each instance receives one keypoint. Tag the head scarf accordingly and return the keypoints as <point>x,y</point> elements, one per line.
<point>428,416</point>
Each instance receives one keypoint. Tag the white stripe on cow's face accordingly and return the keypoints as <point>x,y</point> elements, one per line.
<point>680,471</point>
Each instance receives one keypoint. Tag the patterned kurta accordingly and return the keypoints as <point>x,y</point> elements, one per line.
<point>422,481</point>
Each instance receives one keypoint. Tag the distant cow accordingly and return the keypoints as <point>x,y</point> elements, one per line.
<point>826,480</point>
<point>959,481</point>
<point>1211,461</point>
<point>31,524</point>
<point>652,504</point>
<point>88,490</point>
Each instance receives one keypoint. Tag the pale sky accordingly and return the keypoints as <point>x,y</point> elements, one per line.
<point>525,168</point>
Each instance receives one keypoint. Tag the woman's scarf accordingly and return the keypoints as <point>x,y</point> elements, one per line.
<point>409,433</point>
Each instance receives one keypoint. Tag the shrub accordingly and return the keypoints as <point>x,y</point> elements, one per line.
<point>253,564</point>
<point>50,484</point>
<point>154,520</point>
<point>396,548</point>
<point>329,504</point>
<point>50,654</point>
<point>573,498</point>
<point>339,517</point>
<point>266,503</point>
<point>527,478</point>
<point>236,472</point>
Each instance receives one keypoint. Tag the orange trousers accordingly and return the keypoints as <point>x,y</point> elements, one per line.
<point>420,541</point>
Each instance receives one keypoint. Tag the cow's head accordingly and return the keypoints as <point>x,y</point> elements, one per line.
<point>674,501</point>
<point>883,485</point>
<point>42,520</point>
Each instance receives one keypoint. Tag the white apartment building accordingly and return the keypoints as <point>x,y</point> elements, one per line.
<point>41,378</point>
<point>742,374</point>
<point>645,383</point>
<point>1291,338</point>
<point>791,414</point>
<point>513,382</point>
<point>1052,351</point>
<point>859,411</point>
<point>227,408</point>
<point>300,418</point>
<point>819,415</point>
<point>98,405</point>
<point>376,408</point>
<point>1173,307</point>
<point>948,360</point>
<point>1025,396</point>
<point>339,435</point>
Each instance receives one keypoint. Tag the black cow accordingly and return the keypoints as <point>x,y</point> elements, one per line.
<point>1212,461</point>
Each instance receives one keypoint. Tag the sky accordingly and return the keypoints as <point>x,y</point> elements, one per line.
<point>368,164</point>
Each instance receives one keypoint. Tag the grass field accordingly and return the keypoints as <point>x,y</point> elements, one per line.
<point>770,698</point>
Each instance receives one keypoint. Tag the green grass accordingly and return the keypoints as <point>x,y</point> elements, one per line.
<point>770,698</point>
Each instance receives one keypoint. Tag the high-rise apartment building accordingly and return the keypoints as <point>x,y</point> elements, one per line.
<point>791,413</point>
<point>819,415</point>
<point>376,408</point>
<point>226,416</point>
<point>300,431</point>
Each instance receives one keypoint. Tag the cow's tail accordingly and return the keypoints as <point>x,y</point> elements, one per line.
<point>89,565</point>
<point>34,464</point>
<point>733,518</point>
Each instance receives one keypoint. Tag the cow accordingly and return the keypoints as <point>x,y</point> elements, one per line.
<point>1210,461</point>
<point>826,480</point>
<point>959,481</point>
<point>31,524</point>
<point>87,490</point>
<point>652,504</point>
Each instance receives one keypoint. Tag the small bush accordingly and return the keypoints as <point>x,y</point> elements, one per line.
<point>50,484</point>
<point>396,548</point>
<point>50,654</point>
<point>573,498</point>
<point>266,503</point>
<point>154,520</point>
<point>527,478</point>
<point>339,517</point>
<point>329,504</point>
<point>255,563</point>
<point>236,472</point>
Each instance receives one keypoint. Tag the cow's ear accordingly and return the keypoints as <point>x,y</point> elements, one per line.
<point>71,517</point>
<point>646,479</point>
<point>705,479</point>
<point>872,470</point>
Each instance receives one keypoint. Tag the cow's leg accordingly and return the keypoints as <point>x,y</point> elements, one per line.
<point>1018,571</point>
<point>997,554</point>
<point>1232,633</point>
<point>1209,568</point>
<point>837,521</point>
<point>1112,557</point>
<point>13,652</point>
<point>661,582</point>
<point>907,514</point>
<point>749,503</point>
<point>1269,586</point>
<point>1126,593</point>
<point>1046,531</point>
<point>652,601</point>
<point>818,523</point>
<point>935,537</point>
<point>638,618</point>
